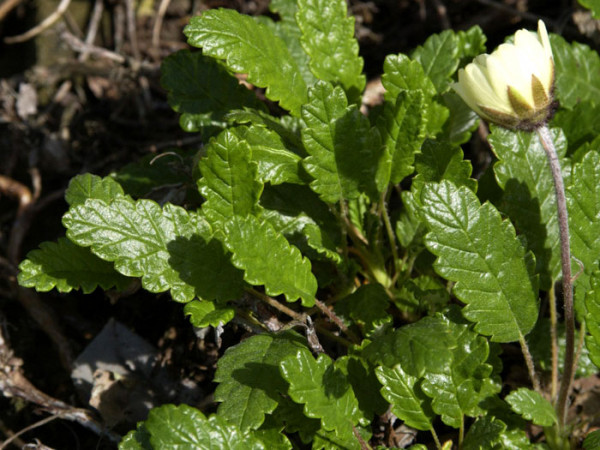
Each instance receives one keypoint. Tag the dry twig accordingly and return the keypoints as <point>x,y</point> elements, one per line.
<point>7,6</point>
<point>46,23</point>
<point>160,15</point>
<point>92,28</point>
<point>14,384</point>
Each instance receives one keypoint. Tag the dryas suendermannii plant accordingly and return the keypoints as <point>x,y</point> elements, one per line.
<point>392,275</point>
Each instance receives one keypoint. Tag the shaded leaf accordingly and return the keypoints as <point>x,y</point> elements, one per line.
<point>249,47</point>
<point>268,259</point>
<point>439,161</point>
<point>579,124</point>
<point>481,253</point>
<point>201,90</point>
<point>366,307</point>
<point>249,378</point>
<point>322,23</point>
<point>66,266</point>
<point>462,120</point>
<point>485,434</point>
<point>229,179</point>
<point>532,406</point>
<point>150,174</point>
<point>323,389</point>
<point>168,247</point>
<point>408,402</point>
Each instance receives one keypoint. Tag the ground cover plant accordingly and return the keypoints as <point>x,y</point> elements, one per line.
<point>380,282</point>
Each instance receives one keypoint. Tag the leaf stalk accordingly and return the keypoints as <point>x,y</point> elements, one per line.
<point>567,281</point>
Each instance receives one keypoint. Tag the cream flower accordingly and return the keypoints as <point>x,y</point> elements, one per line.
<point>512,87</point>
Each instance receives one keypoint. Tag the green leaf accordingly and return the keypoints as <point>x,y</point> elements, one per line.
<point>485,434</point>
<point>408,401</point>
<point>200,89</point>
<point>249,47</point>
<point>367,307</point>
<point>480,252</point>
<point>365,385</point>
<point>82,187</point>
<point>578,124</point>
<point>592,440</point>
<point>402,126</point>
<point>462,120</point>
<point>276,162</point>
<point>181,427</point>
<point>423,293</point>
<point>169,248</point>
<point>291,208</point>
<point>66,266</point>
<point>470,43</point>
<point>286,126</point>
<point>287,29</point>
<point>594,6</point>
<point>323,389</point>
<point>270,434</point>
<point>229,178</point>
<point>439,58</point>
<point>439,161</point>
<point>541,351</point>
<point>344,151</point>
<point>324,22</point>
<point>250,382</point>
<point>453,362</point>
<point>459,389</point>
<point>267,258</point>
<point>583,203</point>
<point>402,74</point>
<point>204,313</point>
<point>409,227</point>
<point>138,439</point>
<point>154,175</point>
<point>523,172</point>
<point>577,67</point>
<point>532,406</point>
<point>592,319</point>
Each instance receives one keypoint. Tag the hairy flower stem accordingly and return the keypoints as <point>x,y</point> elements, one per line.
<point>567,282</point>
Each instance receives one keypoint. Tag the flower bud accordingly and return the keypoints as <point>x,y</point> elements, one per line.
<point>513,87</point>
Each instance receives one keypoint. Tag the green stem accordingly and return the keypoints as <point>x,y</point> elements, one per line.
<point>565,257</point>
<point>436,439</point>
<point>389,230</point>
<point>461,432</point>
<point>530,366</point>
